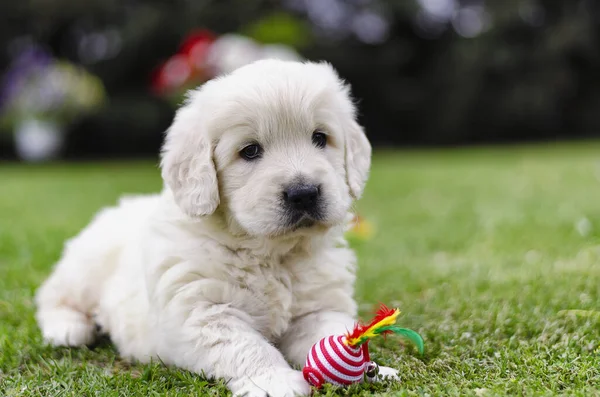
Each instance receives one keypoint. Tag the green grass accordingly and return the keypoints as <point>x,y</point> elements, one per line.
<point>483,250</point>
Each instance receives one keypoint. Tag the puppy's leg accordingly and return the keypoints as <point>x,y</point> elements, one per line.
<point>220,341</point>
<point>307,330</point>
<point>67,299</point>
<point>61,322</point>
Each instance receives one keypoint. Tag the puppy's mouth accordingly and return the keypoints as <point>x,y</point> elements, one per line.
<point>304,223</point>
<point>301,220</point>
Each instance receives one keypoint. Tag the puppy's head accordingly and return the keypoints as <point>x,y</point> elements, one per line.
<point>274,145</point>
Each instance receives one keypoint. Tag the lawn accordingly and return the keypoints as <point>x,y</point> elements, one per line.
<point>493,255</point>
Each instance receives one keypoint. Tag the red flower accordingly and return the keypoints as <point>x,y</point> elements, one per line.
<point>195,47</point>
<point>186,66</point>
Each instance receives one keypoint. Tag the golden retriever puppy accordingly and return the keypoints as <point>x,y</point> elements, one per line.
<point>239,265</point>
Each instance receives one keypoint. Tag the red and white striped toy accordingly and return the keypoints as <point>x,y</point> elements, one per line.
<point>343,359</point>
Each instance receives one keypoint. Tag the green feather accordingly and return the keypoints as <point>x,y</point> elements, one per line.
<point>406,333</point>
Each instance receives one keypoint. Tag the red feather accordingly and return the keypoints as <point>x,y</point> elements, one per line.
<point>359,328</point>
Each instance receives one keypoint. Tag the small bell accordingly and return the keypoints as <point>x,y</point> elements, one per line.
<point>371,371</point>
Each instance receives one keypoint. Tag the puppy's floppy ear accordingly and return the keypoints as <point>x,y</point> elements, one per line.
<point>187,163</point>
<point>358,158</point>
<point>356,146</point>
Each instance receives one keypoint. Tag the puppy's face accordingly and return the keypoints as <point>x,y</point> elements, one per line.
<point>282,169</point>
<point>274,145</point>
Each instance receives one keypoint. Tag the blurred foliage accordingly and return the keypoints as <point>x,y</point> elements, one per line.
<point>424,71</point>
<point>280,28</point>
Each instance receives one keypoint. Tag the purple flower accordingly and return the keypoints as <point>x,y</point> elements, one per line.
<point>25,64</point>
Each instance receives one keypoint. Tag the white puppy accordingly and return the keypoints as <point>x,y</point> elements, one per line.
<point>239,265</point>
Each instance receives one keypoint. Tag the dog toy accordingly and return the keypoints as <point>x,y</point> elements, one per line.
<point>344,359</point>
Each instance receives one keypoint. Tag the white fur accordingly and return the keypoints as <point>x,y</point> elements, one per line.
<point>206,275</point>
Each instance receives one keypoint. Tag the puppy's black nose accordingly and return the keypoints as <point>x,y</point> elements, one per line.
<point>302,197</point>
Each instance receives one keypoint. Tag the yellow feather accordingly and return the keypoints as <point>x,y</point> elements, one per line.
<point>370,332</point>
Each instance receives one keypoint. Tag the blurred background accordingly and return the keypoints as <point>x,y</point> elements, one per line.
<point>102,78</point>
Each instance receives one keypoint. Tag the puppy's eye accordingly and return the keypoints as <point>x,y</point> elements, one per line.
<point>251,152</point>
<point>319,139</point>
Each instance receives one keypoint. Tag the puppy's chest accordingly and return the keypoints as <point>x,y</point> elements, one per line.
<point>268,296</point>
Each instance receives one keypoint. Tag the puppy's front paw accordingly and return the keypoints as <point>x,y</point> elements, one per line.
<point>65,327</point>
<point>280,382</point>
<point>388,373</point>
